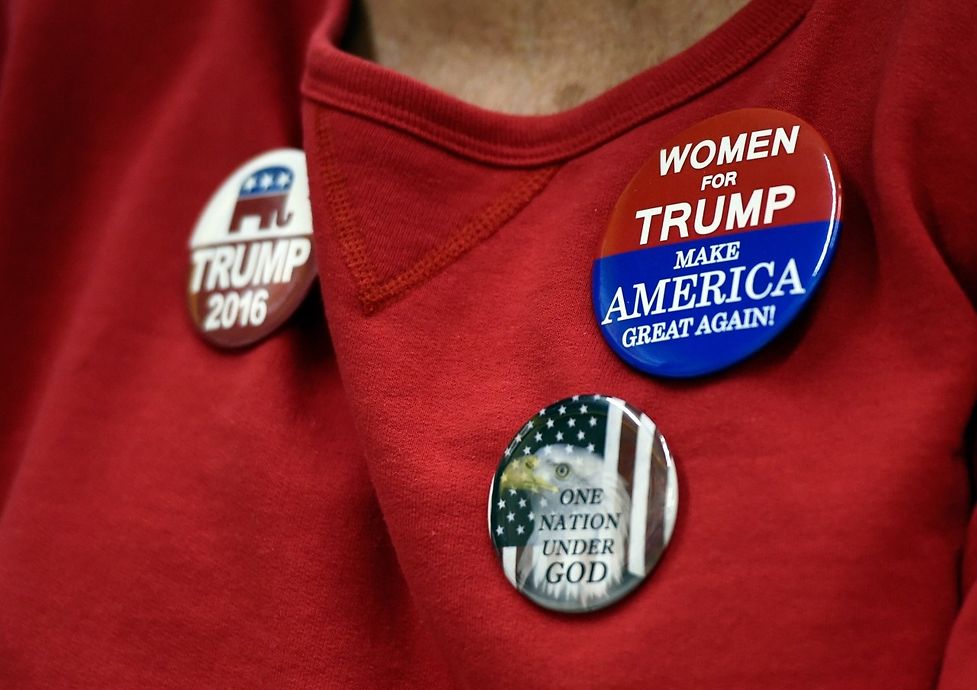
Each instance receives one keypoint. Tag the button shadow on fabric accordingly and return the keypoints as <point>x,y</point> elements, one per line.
<point>717,243</point>
<point>583,503</point>
<point>251,261</point>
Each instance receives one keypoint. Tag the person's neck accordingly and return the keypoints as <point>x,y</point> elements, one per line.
<point>529,56</point>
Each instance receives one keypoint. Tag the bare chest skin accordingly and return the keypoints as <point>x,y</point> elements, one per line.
<point>529,57</point>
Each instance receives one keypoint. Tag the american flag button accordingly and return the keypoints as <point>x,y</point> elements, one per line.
<point>583,503</point>
<point>251,262</point>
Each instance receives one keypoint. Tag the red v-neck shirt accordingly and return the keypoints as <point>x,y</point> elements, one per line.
<point>310,511</point>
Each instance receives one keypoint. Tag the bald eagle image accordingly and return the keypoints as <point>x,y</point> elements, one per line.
<point>580,508</point>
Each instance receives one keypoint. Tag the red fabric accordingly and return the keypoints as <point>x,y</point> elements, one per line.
<point>174,515</point>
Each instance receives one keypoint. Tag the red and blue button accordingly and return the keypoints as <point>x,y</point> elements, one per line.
<point>717,243</point>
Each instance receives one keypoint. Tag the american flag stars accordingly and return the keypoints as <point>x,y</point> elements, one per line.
<point>513,521</point>
<point>550,425</point>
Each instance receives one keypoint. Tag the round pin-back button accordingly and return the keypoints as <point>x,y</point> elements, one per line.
<point>251,259</point>
<point>583,503</point>
<point>717,243</point>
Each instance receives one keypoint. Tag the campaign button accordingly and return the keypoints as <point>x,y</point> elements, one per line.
<point>717,243</point>
<point>583,503</point>
<point>250,256</point>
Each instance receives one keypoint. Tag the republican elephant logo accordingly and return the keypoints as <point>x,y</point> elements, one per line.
<point>264,195</point>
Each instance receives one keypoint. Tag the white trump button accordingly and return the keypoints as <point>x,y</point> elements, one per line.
<point>251,262</point>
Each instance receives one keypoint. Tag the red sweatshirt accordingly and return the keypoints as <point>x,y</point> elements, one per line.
<point>310,511</point>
